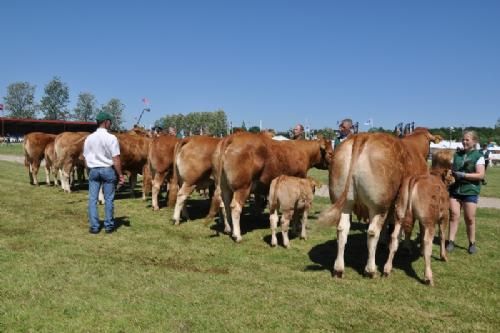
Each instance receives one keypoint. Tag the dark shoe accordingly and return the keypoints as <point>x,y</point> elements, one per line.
<point>93,231</point>
<point>484,182</point>
<point>110,231</point>
<point>451,246</point>
<point>472,248</point>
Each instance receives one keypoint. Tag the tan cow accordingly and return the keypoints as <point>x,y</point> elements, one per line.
<point>192,169</point>
<point>161,161</point>
<point>368,169</point>
<point>69,154</point>
<point>443,158</point>
<point>293,196</point>
<point>34,149</point>
<point>425,198</point>
<point>249,162</point>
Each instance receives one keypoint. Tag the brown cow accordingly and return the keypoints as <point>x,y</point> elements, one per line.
<point>369,168</point>
<point>251,161</point>
<point>293,196</point>
<point>192,169</point>
<point>34,149</point>
<point>69,154</point>
<point>161,161</point>
<point>425,198</point>
<point>134,148</point>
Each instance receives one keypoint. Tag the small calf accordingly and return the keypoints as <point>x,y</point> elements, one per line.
<point>294,197</point>
<point>424,198</point>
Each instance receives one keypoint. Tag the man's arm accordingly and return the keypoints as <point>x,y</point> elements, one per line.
<point>117,164</point>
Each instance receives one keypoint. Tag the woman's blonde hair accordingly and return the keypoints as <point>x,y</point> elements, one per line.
<point>473,135</point>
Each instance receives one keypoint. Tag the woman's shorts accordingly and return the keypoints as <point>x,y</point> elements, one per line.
<point>465,198</point>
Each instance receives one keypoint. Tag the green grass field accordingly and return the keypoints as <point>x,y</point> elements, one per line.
<point>11,149</point>
<point>155,277</point>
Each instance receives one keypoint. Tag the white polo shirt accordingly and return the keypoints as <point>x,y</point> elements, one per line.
<point>99,149</point>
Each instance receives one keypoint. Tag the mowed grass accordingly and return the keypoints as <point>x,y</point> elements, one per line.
<point>156,277</point>
<point>11,149</point>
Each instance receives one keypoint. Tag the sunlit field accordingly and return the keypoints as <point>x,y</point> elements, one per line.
<point>153,276</point>
<point>11,149</point>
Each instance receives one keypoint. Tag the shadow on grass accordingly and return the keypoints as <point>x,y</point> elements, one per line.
<point>356,255</point>
<point>249,221</point>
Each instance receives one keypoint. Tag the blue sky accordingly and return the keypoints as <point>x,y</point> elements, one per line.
<point>282,62</point>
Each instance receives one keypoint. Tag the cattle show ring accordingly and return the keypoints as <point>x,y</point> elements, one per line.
<point>244,233</point>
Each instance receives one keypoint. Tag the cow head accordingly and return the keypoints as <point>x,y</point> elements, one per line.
<point>445,175</point>
<point>326,151</point>
<point>314,184</point>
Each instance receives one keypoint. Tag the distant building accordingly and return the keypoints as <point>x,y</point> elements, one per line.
<point>21,127</point>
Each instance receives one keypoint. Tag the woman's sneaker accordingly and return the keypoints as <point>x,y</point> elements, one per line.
<point>451,246</point>
<point>472,248</point>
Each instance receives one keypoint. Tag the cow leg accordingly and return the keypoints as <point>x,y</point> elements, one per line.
<point>184,193</point>
<point>427,251</point>
<point>157,182</point>
<point>273,219</point>
<point>237,203</point>
<point>393,247</point>
<point>146,182</point>
<point>132,179</point>
<point>376,224</point>
<point>286,217</point>
<point>34,172</point>
<point>303,232</point>
<point>47,174</point>
<point>100,196</point>
<point>225,209</point>
<point>342,232</point>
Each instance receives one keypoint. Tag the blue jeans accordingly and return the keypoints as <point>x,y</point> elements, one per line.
<point>107,178</point>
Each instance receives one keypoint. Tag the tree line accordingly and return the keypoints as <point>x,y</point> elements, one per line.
<point>20,103</point>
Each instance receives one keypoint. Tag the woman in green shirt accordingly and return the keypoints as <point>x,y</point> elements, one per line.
<point>468,170</point>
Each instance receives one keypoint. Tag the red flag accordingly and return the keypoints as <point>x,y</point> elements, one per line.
<point>145,100</point>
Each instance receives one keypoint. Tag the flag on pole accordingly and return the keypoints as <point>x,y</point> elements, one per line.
<point>1,107</point>
<point>369,122</point>
<point>145,100</point>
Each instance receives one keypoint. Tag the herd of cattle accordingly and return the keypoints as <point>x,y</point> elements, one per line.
<point>379,177</point>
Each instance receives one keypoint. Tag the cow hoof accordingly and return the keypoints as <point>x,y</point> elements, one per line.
<point>237,239</point>
<point>175,222</point>
<point>371,275</point>
<point>444,258</point>
<point>338,274</point>
<point>386,274</point>
<point>429,283</point>
<point>155,209</point>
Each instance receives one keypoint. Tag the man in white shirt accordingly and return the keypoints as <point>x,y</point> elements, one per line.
<point>102,156</point>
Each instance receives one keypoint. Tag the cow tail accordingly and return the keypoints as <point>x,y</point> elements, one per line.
<point>404,198</point>
<point>331,215</point>
<point>26,154</point>
<point>273,197</point>
<point>174,182</point>
<point>217,197</point>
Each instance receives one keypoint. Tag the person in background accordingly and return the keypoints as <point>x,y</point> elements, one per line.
<point>345,129</point>
<point>102,156</point>
<point>298,132</point>
<point>486,154</point>
<point>468,170</point>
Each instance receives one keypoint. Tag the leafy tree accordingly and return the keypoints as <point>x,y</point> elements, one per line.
<point>54,103</point>
<point>20,100</point>
<point>209,123</point>
<point>115,108</point>
<point>254,129</point>
<point>243,126</point>
<point>86,107</point>
<point>327,133</point>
